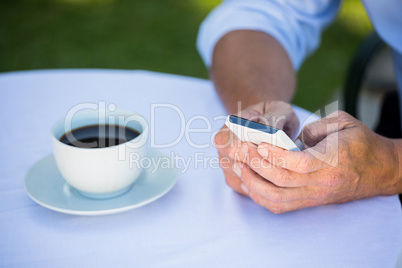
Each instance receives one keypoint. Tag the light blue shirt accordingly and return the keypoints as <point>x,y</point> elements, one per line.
<point>296,24</point>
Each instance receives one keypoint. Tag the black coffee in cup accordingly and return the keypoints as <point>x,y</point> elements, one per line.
<point>99,136</point>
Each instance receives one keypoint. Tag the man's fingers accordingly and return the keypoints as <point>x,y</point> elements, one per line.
<point>232,179</point>
<point>279,175</point>
<point>252,112</point>
<point>240,152</point>
<point>300,162</point>
<point>291,126</point>
<point>281,115</point>
<point>278,115</point>
<point>278,208</point>
<point>318,130</point>
<point>274,168</point>
<point>274,193</point>
<point>225,139</point>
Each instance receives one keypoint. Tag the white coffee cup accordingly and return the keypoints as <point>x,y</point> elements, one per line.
<point>100,172</point>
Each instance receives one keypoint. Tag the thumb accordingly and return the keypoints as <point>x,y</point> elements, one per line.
<point>316,131</point>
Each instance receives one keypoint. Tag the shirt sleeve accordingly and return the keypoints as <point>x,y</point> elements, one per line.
<point>295,24</point>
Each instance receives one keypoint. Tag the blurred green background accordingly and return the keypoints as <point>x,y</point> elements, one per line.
<point>152,35</point>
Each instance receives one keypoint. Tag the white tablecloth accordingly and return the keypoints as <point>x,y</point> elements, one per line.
<point>200,223</point>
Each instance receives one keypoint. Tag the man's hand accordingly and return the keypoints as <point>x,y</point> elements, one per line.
<point>344,161</point>
<point>276,114</point>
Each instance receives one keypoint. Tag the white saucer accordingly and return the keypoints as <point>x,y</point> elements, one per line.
<point>45,185</point>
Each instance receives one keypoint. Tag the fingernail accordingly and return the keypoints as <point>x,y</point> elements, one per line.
<point>244,188</point>
<point>236,169</point>
<point>244,149</point>
<point>263,152</point>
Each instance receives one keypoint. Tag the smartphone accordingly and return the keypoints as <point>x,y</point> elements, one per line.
<point>247,130</point>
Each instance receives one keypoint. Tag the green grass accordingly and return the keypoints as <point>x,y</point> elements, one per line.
<point>151,35</point>
<point>324,72</point>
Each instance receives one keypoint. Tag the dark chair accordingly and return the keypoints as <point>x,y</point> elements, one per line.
<point>388,122</point>
<point>370,46</point>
